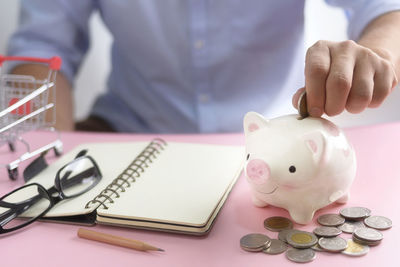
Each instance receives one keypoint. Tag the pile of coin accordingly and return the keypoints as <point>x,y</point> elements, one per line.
<point>301,246</point>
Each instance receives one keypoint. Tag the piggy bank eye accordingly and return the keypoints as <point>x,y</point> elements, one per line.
<point>292,169</point>
<point>248,156</point>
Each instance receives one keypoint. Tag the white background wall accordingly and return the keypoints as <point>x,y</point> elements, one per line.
<point>322,22</point>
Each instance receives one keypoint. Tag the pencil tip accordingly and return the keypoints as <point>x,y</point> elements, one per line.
<point>160,249</point>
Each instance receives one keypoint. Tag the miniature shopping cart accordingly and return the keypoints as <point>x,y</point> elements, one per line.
<point>27,104</point>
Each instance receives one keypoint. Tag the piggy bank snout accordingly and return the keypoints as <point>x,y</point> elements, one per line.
<point>258,171</point>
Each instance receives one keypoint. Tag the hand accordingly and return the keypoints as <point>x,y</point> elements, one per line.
<point>345,75</point>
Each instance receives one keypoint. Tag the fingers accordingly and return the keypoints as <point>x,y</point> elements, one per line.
<point>316,72</point>
<point>339,81</point>
<point>384,82</point>
<point>373,81</point>
<point>345,75</point>
<point>361,92</point>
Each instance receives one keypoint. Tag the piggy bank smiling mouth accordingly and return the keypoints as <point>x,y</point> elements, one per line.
<point>269,193</point>
<point>286,187</point>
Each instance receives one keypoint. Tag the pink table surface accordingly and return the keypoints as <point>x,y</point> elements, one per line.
<point>377,186</point>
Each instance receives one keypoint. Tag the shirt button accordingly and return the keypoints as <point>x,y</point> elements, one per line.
<point>204,98</point>
<point>199,44</point>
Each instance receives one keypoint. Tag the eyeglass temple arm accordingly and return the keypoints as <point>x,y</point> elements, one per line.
<point>15,209</point>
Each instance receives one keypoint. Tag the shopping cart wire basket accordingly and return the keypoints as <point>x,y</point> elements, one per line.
<point>27,104</point>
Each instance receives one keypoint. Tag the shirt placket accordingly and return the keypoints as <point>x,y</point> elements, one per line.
<point>200,54</point>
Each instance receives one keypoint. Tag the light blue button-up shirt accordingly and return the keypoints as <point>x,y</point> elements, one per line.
<point>185,65</point>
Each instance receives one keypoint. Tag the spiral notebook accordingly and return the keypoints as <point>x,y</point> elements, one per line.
<point>176,187</point>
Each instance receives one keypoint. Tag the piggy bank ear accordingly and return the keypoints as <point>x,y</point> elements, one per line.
<point>253,121</point>
<point>316,144</point>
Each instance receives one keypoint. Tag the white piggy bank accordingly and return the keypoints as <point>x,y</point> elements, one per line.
<point>300,165</point>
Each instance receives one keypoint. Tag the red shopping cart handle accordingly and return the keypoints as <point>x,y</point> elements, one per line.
<point>54,62</point>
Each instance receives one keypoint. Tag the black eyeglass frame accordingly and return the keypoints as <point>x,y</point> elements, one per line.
<point>19,208</point>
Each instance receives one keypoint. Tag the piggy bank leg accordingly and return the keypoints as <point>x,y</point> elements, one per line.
<point>258,202</point>
<point>343,199</point>
<point>339,197</point>
<point>302,216</point>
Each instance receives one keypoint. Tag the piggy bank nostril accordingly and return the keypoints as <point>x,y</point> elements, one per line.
<point>257,171</point>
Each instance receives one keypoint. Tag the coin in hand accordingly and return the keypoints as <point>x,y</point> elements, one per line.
<point>302,105</point>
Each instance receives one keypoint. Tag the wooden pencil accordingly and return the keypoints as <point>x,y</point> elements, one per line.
<point>116,240</point>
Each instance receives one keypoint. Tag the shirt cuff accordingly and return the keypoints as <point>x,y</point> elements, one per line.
<point>360,19</point>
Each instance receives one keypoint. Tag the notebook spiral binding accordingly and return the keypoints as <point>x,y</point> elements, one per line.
<point>129,175</point>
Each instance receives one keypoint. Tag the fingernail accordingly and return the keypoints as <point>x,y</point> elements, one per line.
<point>315,112</point>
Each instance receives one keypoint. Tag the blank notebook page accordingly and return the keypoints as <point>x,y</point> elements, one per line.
<point>183,185</point>
<point>112,159</point>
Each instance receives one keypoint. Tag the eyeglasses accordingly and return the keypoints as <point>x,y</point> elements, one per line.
<point>26,204</point>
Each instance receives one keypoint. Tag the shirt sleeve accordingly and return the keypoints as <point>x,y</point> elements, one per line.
<point>50,28</point>
<point>361,12</point>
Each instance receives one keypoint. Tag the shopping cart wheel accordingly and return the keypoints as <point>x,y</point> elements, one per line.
<point>11,145</point>
<point>13,174</point>
<point>58,150</point>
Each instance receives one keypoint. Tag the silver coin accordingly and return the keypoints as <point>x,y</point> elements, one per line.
<point>350,226</point>
<point>365,242</point>
<point>276,247</point>
<point>255,242</point>
<point>330,220</point>
<point>378,222</point>
<point>301,239</point>
<point>302,105</point>
<point>283,234</point>
<point>300,255</point>
<point>368,234</point>
<point>327,231</point>
<point>332,244</point>
<point>317,247</point>
<point>355,213</point>
<point>355,249</point>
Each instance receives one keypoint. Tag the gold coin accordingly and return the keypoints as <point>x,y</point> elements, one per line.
<point>355,249</point>
<point>277,223</point>
<point>301,238</point>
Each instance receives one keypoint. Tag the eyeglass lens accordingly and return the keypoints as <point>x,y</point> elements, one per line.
<point>23,206</point>
<point>78,177</point>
